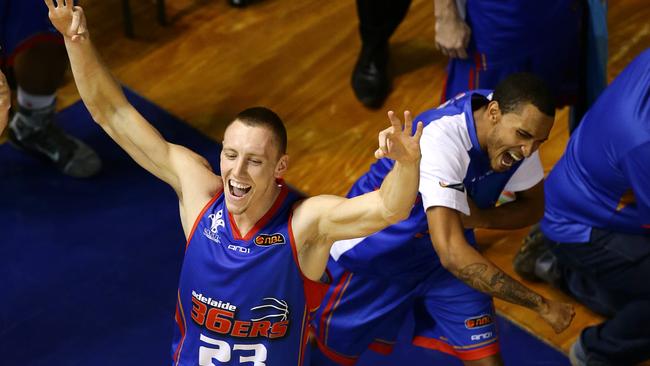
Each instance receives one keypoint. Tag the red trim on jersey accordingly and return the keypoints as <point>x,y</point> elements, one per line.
<point>490,348</point>
<point>477,61</point>
<point>304,338</point>
<point>180,316</point>
<point>314,291</point>
<point>381,347</point>
<point>31,41</point>
<point>646,226</point>
<point>198,219</point>
<point>443,95</point>
<point>330,304</point>
<point>262,221</point>
<point>470,83</point>
<point>334,356</point>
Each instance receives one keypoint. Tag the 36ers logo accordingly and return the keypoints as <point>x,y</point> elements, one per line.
<point>273,320</point>
<point>478,321</point>
<point>266,240</point>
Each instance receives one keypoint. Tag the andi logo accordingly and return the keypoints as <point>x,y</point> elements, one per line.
<point>266,240</point>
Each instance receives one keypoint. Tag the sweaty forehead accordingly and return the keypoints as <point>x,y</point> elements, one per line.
<point>531,119</point>
<point>244,138</point>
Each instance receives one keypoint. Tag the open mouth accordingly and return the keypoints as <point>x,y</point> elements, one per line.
<point>238,189</point>
<point>508,158</point>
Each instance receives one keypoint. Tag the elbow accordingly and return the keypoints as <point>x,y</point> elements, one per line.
<point>449,258</point>
<point>395,217</point>
<point>448,262</point>
<point>98,114</point>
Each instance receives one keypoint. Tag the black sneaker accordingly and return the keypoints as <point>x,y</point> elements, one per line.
<point>35,132</point>
<point>370,80</point>
<point>531,249</point>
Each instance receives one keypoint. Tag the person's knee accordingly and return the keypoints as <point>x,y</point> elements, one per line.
<point>40,68</point>
<point>494,360</point>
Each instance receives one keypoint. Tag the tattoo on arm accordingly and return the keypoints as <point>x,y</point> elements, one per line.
<point>499,284</point>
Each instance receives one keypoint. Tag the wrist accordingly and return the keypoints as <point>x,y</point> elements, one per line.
<point>409,163</point>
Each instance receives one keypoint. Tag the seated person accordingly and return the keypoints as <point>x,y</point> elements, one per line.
<point>596,224</point>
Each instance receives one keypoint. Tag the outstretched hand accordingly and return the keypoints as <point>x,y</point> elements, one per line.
<point>68,19</point>
<point>397,143</point>
<point>5,102</point>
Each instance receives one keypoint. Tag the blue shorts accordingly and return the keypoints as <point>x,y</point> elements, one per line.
<point>22,24</point>
<point>361,312</point>
<point>556,64</point>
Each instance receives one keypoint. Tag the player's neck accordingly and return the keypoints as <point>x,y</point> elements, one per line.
<point>247,219</point>
<point>482,125</point>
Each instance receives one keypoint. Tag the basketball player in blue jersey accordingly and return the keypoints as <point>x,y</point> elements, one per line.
<point>255,248</point>
<point>597,220</point>
<point>473,147</point>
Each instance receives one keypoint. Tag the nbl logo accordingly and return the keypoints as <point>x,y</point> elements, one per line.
<point>265,240</point>
<point>478,321</point>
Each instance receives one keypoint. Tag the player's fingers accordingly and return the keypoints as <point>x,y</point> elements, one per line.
<point>408,122</point>
<point>82,19</point>
<point>396,124</point>
<point>379,154</point>
<point>418,131</point>
<point>50,4</point>
<point>68,3</point>
<point>74,25</point>
<point>382,141</point>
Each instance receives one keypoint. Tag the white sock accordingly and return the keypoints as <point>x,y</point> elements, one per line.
<point>32,101</point>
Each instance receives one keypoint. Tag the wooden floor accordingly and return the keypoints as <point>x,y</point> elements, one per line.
<point>296,57</point>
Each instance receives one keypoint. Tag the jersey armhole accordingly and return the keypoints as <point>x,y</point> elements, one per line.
<point>200,216</point>
<point>314,291</point>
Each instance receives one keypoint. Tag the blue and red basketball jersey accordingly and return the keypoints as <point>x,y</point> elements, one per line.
<point>242,299</point>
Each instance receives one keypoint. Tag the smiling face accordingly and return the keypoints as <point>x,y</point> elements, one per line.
<point>515,135</point>
<point>251,162</point>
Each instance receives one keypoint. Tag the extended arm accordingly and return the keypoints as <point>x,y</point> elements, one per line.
<point>108,106</point>
<point>337,218</point>
<point>462,260</point>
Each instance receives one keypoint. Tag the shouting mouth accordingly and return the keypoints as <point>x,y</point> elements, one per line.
<point>508,158</point>
<point>238,189</point>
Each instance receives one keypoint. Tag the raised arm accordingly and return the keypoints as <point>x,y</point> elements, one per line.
<point>464,262</point>
<point>5,102</point>
<point>108,106</point>
<point>320,221</point>
<point>336,218</point>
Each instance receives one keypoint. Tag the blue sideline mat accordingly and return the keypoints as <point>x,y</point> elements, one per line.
<point>89,268</point>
